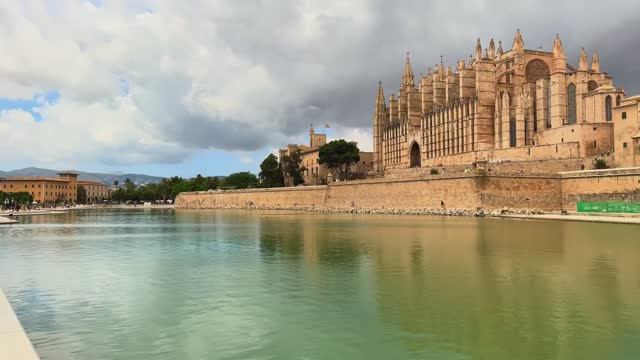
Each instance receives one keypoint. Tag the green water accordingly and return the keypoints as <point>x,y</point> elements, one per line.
<point>273,285</point>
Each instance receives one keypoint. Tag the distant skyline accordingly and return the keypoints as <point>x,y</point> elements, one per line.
<point>179,88</point>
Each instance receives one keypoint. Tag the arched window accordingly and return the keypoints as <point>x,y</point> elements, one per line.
<point>512,132</point>
<point>618,100</point>
<point>571,103</point>
<point>536,69</point>
<point>592,85</point>
<point>607,108</point>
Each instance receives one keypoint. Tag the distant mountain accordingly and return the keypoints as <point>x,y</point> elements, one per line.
<point>108,179</point>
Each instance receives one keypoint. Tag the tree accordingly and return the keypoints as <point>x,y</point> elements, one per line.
<point>292,166</point>
<point>338,156</point>
<point>115,182</point>
<point>241,180</point>
<point>198,183</point>
<point>270,172</point>
<point>129,185</point>
<point>21,198</point>
<point>213,183</point>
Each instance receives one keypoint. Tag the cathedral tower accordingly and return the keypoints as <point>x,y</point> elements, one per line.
<point>379,121</point>
<point>486,93</point>
<point>558,85</point>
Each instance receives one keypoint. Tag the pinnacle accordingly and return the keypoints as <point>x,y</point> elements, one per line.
<point>407,76</point>
<point>518,42</point>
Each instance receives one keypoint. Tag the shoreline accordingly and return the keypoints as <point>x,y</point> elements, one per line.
<point>152,206</point>
<point>522,214</point>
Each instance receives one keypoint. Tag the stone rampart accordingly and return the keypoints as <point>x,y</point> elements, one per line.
<point>452,191</point>
<point>466,192</point>
<point>621,184</point>
<point>289,197</point>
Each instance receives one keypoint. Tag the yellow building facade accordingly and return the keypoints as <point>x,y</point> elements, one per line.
<point>91,192</point>
<point>64,188</point>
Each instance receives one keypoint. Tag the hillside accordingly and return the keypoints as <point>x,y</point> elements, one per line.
<point>108,179</point>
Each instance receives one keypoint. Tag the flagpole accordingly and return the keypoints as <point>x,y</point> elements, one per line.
<point>326,130</point>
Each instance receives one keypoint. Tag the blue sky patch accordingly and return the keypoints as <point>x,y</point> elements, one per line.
<point>30,105</point>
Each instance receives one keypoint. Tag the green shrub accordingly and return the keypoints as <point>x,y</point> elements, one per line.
<point>599,163</point>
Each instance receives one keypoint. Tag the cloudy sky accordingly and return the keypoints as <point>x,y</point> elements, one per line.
<point>211,86</point>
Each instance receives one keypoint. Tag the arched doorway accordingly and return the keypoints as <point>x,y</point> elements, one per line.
<point>415,155</point>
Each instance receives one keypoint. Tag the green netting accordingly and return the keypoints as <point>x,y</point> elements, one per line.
<point>609,207</point>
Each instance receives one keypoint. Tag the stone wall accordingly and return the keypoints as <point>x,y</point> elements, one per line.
<point>307,196</point>
<point>448,192</point>
<point>519,192</point>
<point>460,192</point>
<point>441,192</point>
<point>600,185</point>
<point>533,167</point>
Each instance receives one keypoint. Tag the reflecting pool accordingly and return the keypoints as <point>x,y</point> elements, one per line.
<point>164,284</point>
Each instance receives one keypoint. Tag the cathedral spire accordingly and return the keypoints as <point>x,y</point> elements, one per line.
<point>380,98</point>
<point>595,63</point>
<point>407,76</point>
<point>583,65</point>
<point>518,43</point>
<point>500,51</point>
<point>477,55</point>
<point>492,49</point>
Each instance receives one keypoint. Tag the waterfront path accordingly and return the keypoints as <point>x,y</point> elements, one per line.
<point>600,218</point>
<point>14,343</point>
<point>5,221</point>
<point>33,212</point>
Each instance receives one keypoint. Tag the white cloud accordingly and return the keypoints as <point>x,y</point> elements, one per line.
<point>153,81</point>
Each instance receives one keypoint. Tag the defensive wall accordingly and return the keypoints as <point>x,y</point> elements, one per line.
<point>464,191</point>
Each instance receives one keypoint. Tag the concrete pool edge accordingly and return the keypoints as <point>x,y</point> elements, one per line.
<point>14,342</point>
<point>6,221</point>
<point>611,219</point>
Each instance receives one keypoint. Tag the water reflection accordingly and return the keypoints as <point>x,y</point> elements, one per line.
<point>277,285</point>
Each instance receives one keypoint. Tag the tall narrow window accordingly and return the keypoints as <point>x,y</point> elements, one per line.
<point>535,113</point>
<point>548,103</point>
<point>618,100</point>
<point>512,132</point>
<point>607,108</point>
<point>571,103</point>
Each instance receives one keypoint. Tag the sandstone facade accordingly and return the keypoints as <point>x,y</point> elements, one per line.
<point>518,105</point>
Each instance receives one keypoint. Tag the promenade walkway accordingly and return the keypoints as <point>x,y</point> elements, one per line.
<point>14,343</point>
<point>600,218</point>
<point>5,221</point>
